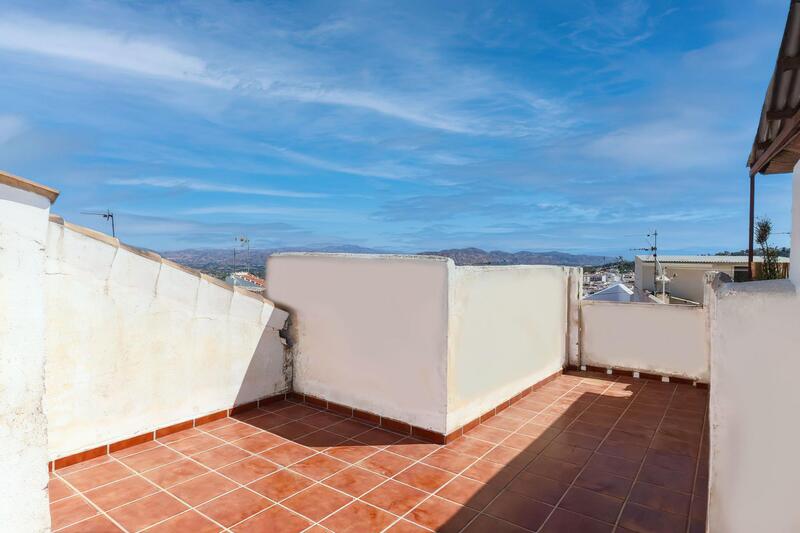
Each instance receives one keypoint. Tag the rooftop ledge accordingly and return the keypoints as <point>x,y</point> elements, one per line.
<point>27,185</point>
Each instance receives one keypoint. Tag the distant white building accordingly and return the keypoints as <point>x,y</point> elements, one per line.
<point>686,272</point>
<point>247,281</point>
<point>620,293</point>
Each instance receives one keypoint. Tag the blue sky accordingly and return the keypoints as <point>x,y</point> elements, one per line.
<point>573,125</point>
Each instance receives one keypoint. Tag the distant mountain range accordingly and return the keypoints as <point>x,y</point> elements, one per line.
<point>220,262</point>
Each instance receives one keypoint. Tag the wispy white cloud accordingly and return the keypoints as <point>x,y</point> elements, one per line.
<point>290,212</point>
<point>10,127</point>
<point>204,186</point>
<point>388,170</point>
<point>104,48</point>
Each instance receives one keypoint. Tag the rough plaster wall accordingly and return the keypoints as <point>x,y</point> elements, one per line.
<point>369,331</point>
<point>23,427</point>
<point>508,330</point>
<point>754,403</point>
<point>658,338</point>
<point>135,344</point>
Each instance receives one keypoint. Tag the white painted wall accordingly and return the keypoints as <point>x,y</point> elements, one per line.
<point>370,330</point>
<point>755,361</point>
<point>508,330</point>
<point>418,339</point>
<point>658,338</point>
<point>136,343</point>
<point>23,426</point>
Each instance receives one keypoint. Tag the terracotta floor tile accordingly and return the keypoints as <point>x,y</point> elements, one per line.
<point>592,504</point>
<point>57,489</point>
<point>70,510</point>
<point>221,456</point>
<point>188,521</point>
<point>469,446</point>
<point>147,511</point>
<point>138,448</point>
<point>196,444</point>
<point>317,502</point>
<point>98,524</point>
<point>670,461</point>
<point>413,448</point>
<point>404,526</point>
<point>615,465</point>
<point>604,482</point>
<point>248,469</point>
<point>568,454</point>
<point>298,411</point>
<point>490,472</point>
<point>293,430</point>
<point>321,439</point>
<point>441,515</point>
<point>660,499</point>
<point>175,473</point>
<point>234,507</point>
<point>588,429</point>
<point>202,488</point>
<point>562,521</point>
<point>489,524</point>
<point>465,491</point>
<point>519,510</point>
<point>394,497</point>
<point>267,421</point>
<point>84,465</point>
<point>509,456</point>
<point>120,492</point>
<point>288,453</point>
<point>151,459</point>
<point>349,428</point>
<point>378,437</point>
<point>504,423</point>
<point>354,481</point>
<point>553,469</point>
<point>358,517</point>
<point>448,460</point>
<point>669,479</point>
<point>487,433</point>
<point>318,466</point>
<point>216,424</point>
<point>235,431</point>
<point>526,443</point>
<point>578,440</point>
<point>179,435</point>
<point>539,488</point>
<point>280,485</point>
<point>677,446</point>
<point>351,451</point>
<point>322,419</point>
<point>97,475</point>
<point>424,477</point>
<point>629,452</point>
<point>273,520</point>
<point>385,463</point>
<point>646,520</point>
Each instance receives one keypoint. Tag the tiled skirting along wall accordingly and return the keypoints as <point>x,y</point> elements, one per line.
<point>389,424</point>
<point>638,374</point>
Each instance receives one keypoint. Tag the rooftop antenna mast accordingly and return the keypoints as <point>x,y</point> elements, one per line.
<point>108,215</point>
<point>243,241</point>
<point>653,249</point>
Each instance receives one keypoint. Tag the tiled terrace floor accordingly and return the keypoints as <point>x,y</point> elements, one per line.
<point>584,453</point>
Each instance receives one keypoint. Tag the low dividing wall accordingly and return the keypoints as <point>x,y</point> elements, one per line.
<point>136,343</point>
<point>661,339</point>
<point>508,330</point>
<point>417,339</point>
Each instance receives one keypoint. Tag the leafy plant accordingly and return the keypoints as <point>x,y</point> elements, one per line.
<point>770,268</point>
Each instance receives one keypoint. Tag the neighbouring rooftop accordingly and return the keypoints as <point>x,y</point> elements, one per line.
<point>585,452</point>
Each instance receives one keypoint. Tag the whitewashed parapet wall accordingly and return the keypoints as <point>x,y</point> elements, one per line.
<point>668,340</point>
<point>24,210</point>
<point>755,362</point>
<point>136,342</point>
<point>418,339</point>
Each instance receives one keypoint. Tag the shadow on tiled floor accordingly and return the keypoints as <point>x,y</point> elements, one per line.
<point>584,453</point>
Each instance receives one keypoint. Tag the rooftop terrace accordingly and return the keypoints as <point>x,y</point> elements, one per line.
<point>584,452</point>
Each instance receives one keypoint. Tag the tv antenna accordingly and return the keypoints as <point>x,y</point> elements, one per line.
<point>653,249</point>
<point>108,215</point>
<point>242,241</point>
